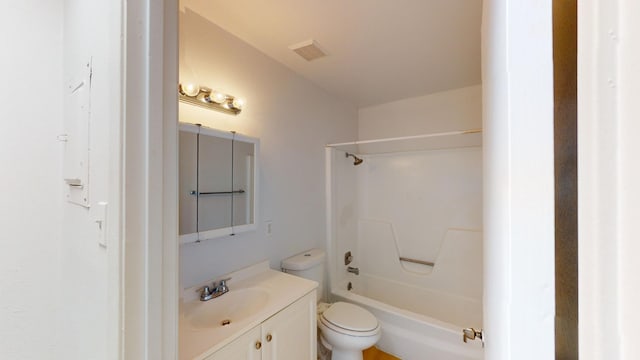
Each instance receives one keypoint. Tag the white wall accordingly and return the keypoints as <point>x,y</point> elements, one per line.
<point>517,71</point>
<point>609,199</point>
<point>630,174</point>
<point>458,109</point>
<point>293,118</point>
<point>53,273</point>
<point>90,299</point>
<point>30,213</point>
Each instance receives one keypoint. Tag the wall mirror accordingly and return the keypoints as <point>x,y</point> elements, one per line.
<point>217,183</point>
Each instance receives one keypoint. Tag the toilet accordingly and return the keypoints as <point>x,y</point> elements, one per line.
<point>346,329</point>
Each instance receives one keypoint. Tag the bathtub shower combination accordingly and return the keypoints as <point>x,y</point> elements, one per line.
<point>404,218</point>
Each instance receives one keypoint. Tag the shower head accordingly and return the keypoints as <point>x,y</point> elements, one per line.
<point>356,160</point>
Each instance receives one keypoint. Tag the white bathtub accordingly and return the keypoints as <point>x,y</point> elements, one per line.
<point>422,313</point>
<point>412,336</point>
<point>411,219</point>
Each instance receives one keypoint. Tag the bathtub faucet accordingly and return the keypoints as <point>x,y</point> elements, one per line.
<point>353,270</point>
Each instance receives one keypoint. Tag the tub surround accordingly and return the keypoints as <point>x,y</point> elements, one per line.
<point>412,219</point>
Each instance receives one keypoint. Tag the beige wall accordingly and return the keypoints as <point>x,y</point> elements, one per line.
<point>293,118</point>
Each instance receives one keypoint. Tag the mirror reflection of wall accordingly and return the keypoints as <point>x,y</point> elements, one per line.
<point>217,183</point>
<point>214,183</point>
<point>187,168</point>
<point>243,164</point>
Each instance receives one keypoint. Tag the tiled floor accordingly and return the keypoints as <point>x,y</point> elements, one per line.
<point>374,353</point>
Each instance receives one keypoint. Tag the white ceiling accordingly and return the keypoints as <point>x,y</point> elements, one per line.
<point>378,50</point>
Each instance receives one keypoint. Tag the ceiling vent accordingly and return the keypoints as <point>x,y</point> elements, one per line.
<point>309,50</point>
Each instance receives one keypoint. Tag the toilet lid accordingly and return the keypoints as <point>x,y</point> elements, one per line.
<point>350,317</point>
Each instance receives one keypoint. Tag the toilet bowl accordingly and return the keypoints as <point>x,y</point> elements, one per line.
<point>348,329</point>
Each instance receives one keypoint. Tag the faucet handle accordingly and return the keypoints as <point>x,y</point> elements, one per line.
<point>205,293</point>
<point>222,286</point>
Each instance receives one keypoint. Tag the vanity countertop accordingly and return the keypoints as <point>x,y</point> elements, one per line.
<point>257,286</point>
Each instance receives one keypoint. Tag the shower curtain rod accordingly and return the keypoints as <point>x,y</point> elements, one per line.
<point>423,136</point>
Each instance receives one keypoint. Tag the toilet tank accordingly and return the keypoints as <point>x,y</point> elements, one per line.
<point>308,265</point>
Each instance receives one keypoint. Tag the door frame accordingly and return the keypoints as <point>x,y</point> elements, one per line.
<point>150,270</point>
<point>518,116</point>
<point>519,295</point>
<point>608,174</point>
<point>516,99</point>
<point>518,180</point>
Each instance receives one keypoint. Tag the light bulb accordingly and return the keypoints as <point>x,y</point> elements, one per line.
<point>238,103</point>
<point>217,97</point>
<point>191,89</point>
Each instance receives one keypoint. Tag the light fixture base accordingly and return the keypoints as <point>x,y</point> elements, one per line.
<point>202,100</point>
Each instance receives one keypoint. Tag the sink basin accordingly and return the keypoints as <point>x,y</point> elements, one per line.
<point>227,309</point>
<point>256,293</point>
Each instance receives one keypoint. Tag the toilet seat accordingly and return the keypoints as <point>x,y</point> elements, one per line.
<point>350,320</point>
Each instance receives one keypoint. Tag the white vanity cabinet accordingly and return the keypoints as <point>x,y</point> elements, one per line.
<point>242,348</point>
<point>290,334</point>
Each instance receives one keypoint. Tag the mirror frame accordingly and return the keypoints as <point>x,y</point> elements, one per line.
<point>253,191</point>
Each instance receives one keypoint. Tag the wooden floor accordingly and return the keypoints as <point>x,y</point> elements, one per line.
<point>374,353</point>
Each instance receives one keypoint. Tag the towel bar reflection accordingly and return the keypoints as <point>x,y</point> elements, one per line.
<point>415,261</point>
<point>193,192</point>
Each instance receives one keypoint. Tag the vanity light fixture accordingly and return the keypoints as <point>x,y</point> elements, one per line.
<point>217,97</point>
<point>209,99</point>
<point>238,103</point>
<point>191,89</point>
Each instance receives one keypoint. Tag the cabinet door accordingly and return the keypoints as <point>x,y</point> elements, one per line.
<point>291,333</point>
<point>243,348</point>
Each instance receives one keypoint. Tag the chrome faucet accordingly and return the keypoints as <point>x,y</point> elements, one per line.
<point>353,270</point>
<point>222,287</point>
<point>206,294</point>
